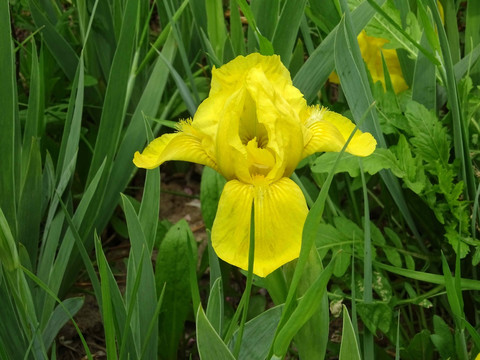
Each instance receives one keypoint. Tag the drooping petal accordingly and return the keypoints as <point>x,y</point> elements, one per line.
<point>329,131</point>
<point>231,228</point>
<point>280,212</point>
<point>185,145</point>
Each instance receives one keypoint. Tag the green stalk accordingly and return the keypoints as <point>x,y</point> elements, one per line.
<point>459,132</point>
<point>246,295</point>
<point>368,351</point>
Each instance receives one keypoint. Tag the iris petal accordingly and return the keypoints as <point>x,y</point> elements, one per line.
<point>184,146</point>
<point>231,228</point>
<point>278,109</point>
<point>329,131</point>
<point>280,212</point>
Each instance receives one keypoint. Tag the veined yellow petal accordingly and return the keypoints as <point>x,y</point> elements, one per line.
<point>186,145</point>
<point>329,131</point>
<point>231,228</point>
<point>280,212</point>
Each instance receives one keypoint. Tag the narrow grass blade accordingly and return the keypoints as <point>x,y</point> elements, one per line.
<point>454,297</point>
<point>307,306</point>
<point>150,206</point>
<point>451,28</point>
<point>34,124</point>
<point>258,335</point>
<point>55,271</point>
<point>153,323</point>
<point>116,97</point>
<point>349,347</point>
<point>162,38</point>
<point>401,35</point>
<point>325,14</point>
<point>472,36</point>
<point>312,338</point>
<point>101,49</point>
<point>210,190</point>
<point>12,340</point>
<point>186,95</point>
<point>368,348</point>
<point>83,253</point>
<point>199,13</point>
<point>313,74</point>
<point>107,308</point>
<point>30,205</point>
<point>65,169</point>
<point>135,135</point>
<point>465,284</point>
<point>213,261</point>
<point>50,293</point>
<point>306,35</point>
<point>460,140</point>
<point>146,302</point>
<point>464,65</point>
<point>8,249</point>
<point>71,130</point>
<point>8,121</point>
<point>182,52</point>
<point>133,304</point>
<point>209,343</point>
<point>424,80</point>
<point>65,56</point>
<point>266,47</point>
<point>216,30</point>
<point>267,16</point>
<point>353,77</point>
<point>287,28</point>
<point>59,318</point>
<point>173,269</point>
<point>215,306</point>
<point>236,30</point>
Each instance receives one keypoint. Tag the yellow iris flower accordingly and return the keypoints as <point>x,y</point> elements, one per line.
<point>371,49</point>
<point>254,128</point>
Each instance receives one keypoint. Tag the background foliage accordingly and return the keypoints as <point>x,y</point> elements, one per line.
<point>391,242</point>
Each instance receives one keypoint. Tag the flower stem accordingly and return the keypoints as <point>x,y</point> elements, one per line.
<point>248,288</point>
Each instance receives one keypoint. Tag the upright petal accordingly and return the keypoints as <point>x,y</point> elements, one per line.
<point>278,111</point>
<point>280,212</point>
<point>185,145</point>
<point>232,156</point>
<point>329,131</point>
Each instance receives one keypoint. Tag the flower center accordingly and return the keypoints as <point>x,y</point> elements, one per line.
<point>249,126</point>
<point>260,160</point>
